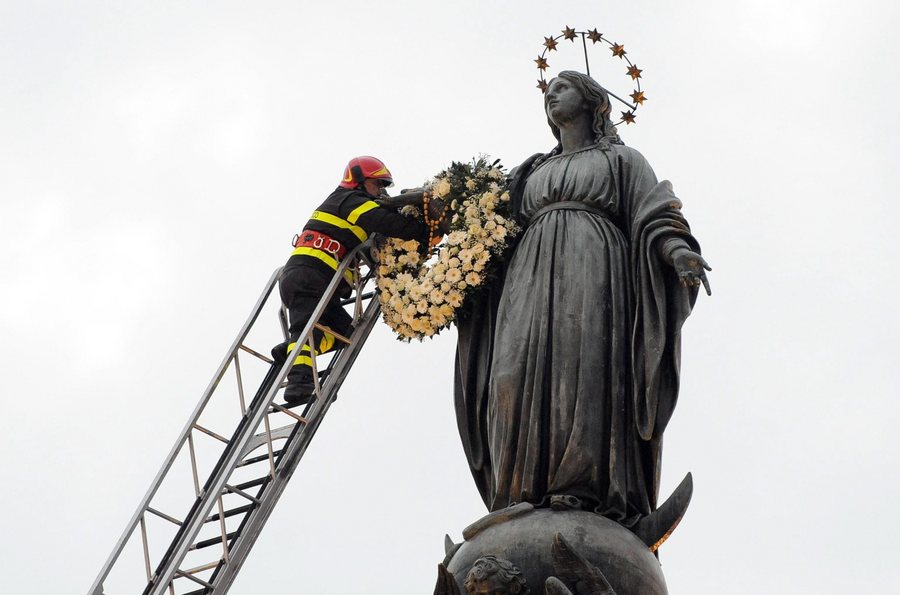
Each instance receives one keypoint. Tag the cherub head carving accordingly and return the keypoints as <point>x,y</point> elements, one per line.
<point>491,575</point>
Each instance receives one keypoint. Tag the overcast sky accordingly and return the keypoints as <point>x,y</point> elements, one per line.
<point>156,159</point>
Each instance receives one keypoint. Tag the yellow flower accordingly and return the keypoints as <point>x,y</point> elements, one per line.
<point>436,296</point>
<point>473,279</point>
<point>471,184</point>
<point>454,275</point>
<point>455,299</point>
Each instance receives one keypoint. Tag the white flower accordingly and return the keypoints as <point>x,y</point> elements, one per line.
<point>471,184</point>
<point>410,245</point>
<point>487,201</point>
<point>441,188</point>
<point>422,307</point>
<point>436,296</point>
<point>473,279</point>
<point>445,286</point>
<point>454,275</point>
<point>456,238</point>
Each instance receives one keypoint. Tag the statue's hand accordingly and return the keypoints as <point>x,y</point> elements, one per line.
<point>690,268</point>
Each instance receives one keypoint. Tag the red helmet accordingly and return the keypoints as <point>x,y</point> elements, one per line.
<point>364,167</point>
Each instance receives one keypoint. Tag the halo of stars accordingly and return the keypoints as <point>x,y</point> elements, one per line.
<point>618,51</point>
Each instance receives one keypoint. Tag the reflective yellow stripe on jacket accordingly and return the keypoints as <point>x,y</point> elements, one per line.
<point>350,222</point>
<point>325,257</point>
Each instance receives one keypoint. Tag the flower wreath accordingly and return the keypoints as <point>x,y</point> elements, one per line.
<point>421,294</point>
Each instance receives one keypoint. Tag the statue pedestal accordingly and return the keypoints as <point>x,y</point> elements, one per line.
<point>593,550</point>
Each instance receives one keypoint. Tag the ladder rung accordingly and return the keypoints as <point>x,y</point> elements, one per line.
<point>364,296</point>
<point>286,411</point>
<point>212,541</point>
<point>249,484</point>
<point>193,578</point>
<point>337,335</point>
<point>210,433</point>
<point>163,515</point>
<point>257,354</point>
<point>258,459</point>
<point>232,512</point>
<point>197,569</point>
<point>240,492</point>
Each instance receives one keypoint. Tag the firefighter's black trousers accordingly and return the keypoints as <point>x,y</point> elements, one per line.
<point>301,288</point>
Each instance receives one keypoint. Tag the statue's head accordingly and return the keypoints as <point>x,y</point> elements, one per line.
<point>491,575</point>
<point>594,100</point>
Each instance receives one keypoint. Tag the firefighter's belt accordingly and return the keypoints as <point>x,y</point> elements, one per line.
<point>320,241</point>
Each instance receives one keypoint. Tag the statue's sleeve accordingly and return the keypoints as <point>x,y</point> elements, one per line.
<point>475,336</point>
<point>661,304</point>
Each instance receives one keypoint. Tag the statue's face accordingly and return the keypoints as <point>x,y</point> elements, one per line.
<point>563,101</point>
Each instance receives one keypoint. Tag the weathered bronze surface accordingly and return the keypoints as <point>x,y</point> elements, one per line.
<point>568,365</point>
<point>583,551</point>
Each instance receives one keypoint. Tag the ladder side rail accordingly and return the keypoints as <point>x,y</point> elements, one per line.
<point>290,457</point>
<point>231,457</point>
<point>97,586</point>
<point>207,492</point>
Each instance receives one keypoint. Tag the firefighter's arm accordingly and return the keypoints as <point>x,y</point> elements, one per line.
<point>375,218</point>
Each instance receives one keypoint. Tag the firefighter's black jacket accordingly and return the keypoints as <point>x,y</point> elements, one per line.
<point>350,216</point>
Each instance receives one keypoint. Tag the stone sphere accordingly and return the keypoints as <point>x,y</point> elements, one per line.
<point>526,541</point>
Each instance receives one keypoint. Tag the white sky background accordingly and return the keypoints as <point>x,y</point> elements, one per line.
<point>156,159</point>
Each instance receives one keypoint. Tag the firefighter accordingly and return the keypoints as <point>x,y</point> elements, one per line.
<point>347,218</point>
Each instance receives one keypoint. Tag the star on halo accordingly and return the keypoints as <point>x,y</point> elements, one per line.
<point>635,72</point>
<point>550,43</point>
<point>594,36</point>
<point>541,63</point>
<point>638,97</point>
<point>569,33</point>
<point>628,117</point>
<point>618,50</point>
<point>542,85</point>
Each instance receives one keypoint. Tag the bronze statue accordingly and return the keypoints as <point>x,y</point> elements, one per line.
<point>567,367</point>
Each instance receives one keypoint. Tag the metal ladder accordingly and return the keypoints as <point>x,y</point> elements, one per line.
<point>242,505</point>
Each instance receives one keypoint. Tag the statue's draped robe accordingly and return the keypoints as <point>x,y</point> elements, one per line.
<point>567,366</point>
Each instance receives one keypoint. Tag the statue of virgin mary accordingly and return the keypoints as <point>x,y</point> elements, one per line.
<point>567,366</point>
